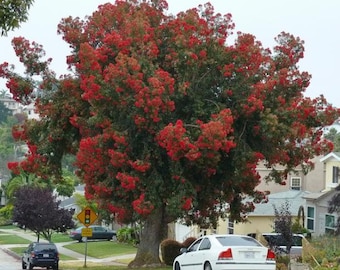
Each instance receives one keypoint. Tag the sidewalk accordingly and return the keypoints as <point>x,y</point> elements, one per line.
<point>78,257</point>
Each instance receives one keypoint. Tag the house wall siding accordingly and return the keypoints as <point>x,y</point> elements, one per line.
<point>256,224</point>
<point>314,181</point>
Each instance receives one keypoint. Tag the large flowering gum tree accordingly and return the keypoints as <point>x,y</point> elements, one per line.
<point>168,116</point>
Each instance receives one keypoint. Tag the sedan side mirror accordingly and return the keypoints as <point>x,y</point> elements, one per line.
<point>183,250</point>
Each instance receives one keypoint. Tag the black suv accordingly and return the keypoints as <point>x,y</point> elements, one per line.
<point>41,255</point>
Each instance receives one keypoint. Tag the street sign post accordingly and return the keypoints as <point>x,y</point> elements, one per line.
<point>87,216</point>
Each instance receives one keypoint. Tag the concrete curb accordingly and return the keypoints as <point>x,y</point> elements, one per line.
<point>11,253</point>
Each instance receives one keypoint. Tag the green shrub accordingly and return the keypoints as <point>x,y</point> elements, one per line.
<point>128,235</point>
<point>283,259</point>
<point>281,266</point>
<point>170,249</point>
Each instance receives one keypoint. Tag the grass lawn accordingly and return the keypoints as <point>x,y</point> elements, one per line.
<point>102,249</point>
<point>6,239</point>
<point>8,227</point>
<point>60,238</point>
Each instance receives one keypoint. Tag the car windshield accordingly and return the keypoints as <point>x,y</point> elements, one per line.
<point>238,241</point>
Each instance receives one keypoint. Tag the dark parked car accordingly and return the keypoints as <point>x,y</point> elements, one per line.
<point>98,233</point>
<point>41,255</point>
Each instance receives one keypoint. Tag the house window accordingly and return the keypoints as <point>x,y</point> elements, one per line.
<point>295,183</point>
<point>329,224</point>
<point>335,174</point>
<point>310,218</point>
<point>231,226</point>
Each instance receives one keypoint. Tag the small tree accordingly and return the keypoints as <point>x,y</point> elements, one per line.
<point>12,14</point>
<point>36,209</point>
<point>283,224</point>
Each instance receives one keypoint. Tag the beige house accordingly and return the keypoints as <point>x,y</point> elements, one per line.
<point>311,192</point>
<point>262,219</point>
<point>314,181</point>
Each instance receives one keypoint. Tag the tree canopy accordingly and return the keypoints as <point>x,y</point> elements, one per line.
<point>334,136</point>
<point>13,13</point>
<point>38,210</point>
<point>168,118</point>
<point>4,112</point>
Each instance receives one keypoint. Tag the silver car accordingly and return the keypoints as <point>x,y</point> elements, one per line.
<point>279,244</point>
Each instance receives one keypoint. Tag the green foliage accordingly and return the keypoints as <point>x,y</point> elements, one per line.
<point>283,259</point>
<point>322,252</point>
<point>334,136</point>
<point>9,149</point>
<point>13,13</point>
<point>4,112</point>
<point>6,213</point>
<point>128,235</point>
<point>170,249</point>
<point>281,266</point>
<point>298,228</point>
<point>65,186</point>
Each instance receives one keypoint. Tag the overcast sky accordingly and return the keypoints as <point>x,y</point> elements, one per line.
<point>316,22</point>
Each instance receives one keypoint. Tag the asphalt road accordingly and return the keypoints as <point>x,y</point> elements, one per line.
<point>8,262</point>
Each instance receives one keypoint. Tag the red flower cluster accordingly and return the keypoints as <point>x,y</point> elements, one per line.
<point>141,206</point>
<point>127,181</point>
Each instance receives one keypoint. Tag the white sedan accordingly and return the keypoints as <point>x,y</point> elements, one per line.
<point>225,252</point>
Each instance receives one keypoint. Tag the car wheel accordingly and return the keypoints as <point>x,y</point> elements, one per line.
<point>177,267</point>
<point>23,264</point>
<point>56,266</point>
<point>207,266</point>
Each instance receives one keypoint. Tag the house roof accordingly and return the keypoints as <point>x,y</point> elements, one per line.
<point>319,195</point>
<point>294,197</point>
<point>67,202</point>
<point>332,155</point>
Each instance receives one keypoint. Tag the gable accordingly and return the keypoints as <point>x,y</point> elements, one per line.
<point>333,156</point>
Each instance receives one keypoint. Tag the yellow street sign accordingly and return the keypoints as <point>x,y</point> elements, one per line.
<point>87,216</point>
<point>86,232</point>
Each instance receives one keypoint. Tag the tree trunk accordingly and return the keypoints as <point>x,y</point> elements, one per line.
<point>154,231</point>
